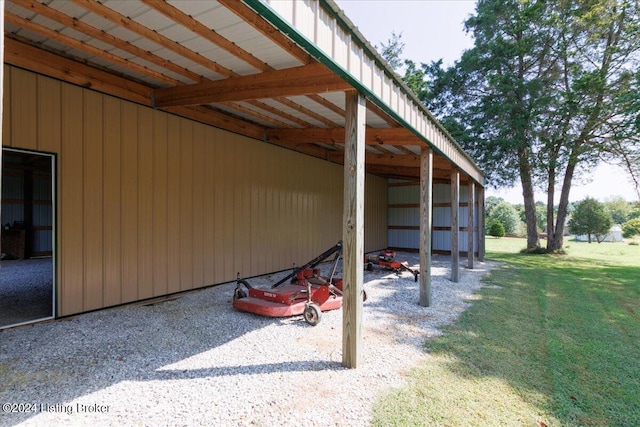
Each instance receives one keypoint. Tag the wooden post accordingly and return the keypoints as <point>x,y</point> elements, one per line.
<point>426,223</point>
<point>470,225</point>
<point>353,229</point>
<point>455,231</point>
<point>481,231</point>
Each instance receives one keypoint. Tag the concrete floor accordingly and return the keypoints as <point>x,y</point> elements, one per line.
<point>26,290</point>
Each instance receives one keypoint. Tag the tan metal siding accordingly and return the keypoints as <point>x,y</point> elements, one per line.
<point>160,204</point>
<point>48,117</point>
<point>146,148</point>
<point>129,211</point>
<point>71,242</point>
<point>174,145</point>
<point>92,200</point>
<point>23,109</point>
<point>150,204</point>
<point>112,201</point>
<point>6,112</point>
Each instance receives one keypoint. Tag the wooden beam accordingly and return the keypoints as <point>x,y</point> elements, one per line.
<point>97,34</point>
<point>471,205</point>
<point>385,159</point>
<point>218,119</point>
<point>439,176</point>
<point>327,104</point>
<point>307,79</point>
<point>426,222</point>
<point>46,63</point>
<point>353,229</point>
<point>373,136</point>
<point>306,111</point>
<point>455,206</point>
<point>85,47</point>
<point>133,26</point>
<point>254,113</point>
<point>203,31</point>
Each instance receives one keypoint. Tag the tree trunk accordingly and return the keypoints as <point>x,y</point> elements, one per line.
<point>557,240</point>
<point>551,188</point>
<point>533,239</point>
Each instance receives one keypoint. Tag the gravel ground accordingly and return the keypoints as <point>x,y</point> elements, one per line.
<point>196,361</point>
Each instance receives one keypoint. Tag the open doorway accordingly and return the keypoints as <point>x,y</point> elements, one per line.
<point>27,267</point>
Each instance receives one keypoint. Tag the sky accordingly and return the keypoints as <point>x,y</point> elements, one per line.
<point>433,30</point>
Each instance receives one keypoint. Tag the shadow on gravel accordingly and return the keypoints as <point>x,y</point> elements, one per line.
<point>196,336</point>
<point>265,368</point>
<point>60,361</point>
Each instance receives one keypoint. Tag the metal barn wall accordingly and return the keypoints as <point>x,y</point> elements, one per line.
<point>150,204</point>
<point>404,216</point>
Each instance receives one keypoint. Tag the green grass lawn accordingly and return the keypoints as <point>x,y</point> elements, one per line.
<point>551,340</point>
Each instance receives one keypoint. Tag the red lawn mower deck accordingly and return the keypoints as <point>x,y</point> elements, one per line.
<point>308,293</point>
<point>387,260</point>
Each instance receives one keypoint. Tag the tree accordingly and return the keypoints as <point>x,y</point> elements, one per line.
<point>631,228</point>
<point>591,218</point>
<point>619,209</point>
<point>547,87</point>
<point>496,229</point>
<point>490,203</point>
<point>507,215</point>
<point>392,51</point>
<point>541,215</point>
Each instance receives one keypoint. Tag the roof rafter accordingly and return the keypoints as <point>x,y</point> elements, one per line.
<point>198,28</point>
<point>373,136</point>
<point>133,26</point>
<point>307,79</point>
<point>56,15</point>
<point>85,47</point>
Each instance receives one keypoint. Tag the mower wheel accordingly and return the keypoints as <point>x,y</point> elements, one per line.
<point>364,295</point>
<point>369,266</point>
<point>239,294</point>
<point>312,314</point>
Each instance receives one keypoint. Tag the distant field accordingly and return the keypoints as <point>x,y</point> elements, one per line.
<point>552,340</point>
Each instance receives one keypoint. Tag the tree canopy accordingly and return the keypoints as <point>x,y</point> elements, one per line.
<point>591,218</point>
<point>547,86</point>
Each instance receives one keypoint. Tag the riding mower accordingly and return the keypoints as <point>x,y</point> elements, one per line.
<point>307,293</point>
<point>387,260</point>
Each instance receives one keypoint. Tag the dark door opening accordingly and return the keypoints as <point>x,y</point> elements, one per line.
<point>27,285</point>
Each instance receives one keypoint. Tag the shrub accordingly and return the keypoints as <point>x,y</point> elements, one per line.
<point>496,229</point>
<point>631,228</point>
<point>507,215</point>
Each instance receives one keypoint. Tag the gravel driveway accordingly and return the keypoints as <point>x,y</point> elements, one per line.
<point>196,361</point>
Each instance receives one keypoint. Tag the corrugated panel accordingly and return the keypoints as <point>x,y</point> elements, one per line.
<point>441,216</point>
<point>170,204</point>
<point>42,241</point>
<point>12,212</point>
<point>409,239</point>
<point>42,215</point>
<point>404,194</point>
<point>404,216</point>
<point>441,240</point>
<point>441,193</point>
